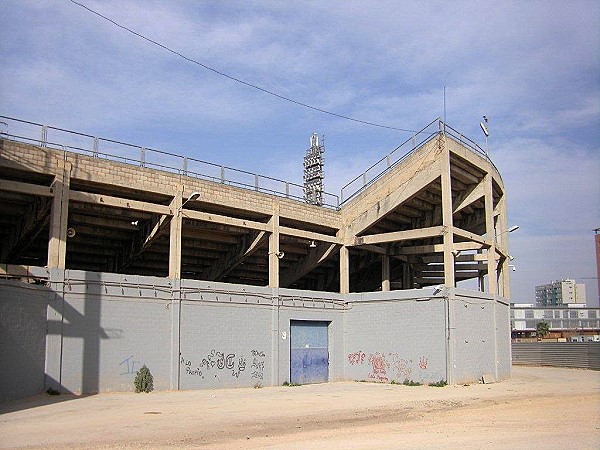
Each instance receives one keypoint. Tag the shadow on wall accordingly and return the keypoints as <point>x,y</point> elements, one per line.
<point>23,313</point>
<point>38,329</point>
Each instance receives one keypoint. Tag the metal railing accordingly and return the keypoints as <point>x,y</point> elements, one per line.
<point>72,141</point>
<point>395,157</point>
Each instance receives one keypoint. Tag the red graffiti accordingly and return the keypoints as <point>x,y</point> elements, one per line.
<point>379,365</point>
<point>423,363</point>
<point>356,358</point>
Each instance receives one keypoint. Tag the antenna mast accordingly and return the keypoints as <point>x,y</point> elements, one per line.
<point>313,172</point>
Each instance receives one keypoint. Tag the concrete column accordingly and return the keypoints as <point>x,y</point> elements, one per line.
<point>480,276</point>
<point>406,284</point>
<point>385,272</point>
<point>54,332</point>
<point>175,236</point>
<point>276,338</point>
<point>176,334</point>
<point>504,272</point>
<point>59,215</point>
<point>449,279</point>
<point>450,338</point>
<point>344,270</point>
<point>491,235</point>
<point>274,248</point>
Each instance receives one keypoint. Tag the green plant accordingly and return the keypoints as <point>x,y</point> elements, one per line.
<point>408,382</point>
<point>52,391</point>
<point>285,383</point>
<point>440,383</point>
<point>144,381</point>
<point>542,329</point>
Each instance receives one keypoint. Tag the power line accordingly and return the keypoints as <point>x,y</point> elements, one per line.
<point>237,80</point>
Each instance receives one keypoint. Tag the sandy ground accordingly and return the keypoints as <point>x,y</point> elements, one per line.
<point>548,407</point>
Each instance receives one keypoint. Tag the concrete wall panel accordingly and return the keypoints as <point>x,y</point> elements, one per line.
<point>22,338</point>
<point>473,338</point>
<point>396,340</point>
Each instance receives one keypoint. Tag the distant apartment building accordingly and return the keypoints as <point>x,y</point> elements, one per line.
<point>597,243</point>
<point>561,292</point>
<point>574,322</point>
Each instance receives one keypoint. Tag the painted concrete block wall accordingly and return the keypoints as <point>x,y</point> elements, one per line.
<point>22,338</point>
<point>391,336</point>
<point>114,324</point>
<point>473,338</point>
<point>225,345</point>
<point>226,335</point>
<point>194,334</point>
<point>503,340</point>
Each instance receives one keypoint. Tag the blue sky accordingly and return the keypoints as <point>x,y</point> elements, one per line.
<point>532,67</point>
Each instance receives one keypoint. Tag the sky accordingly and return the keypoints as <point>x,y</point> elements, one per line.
<point>532,67</point>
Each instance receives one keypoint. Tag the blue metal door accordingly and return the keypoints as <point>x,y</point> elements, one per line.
<point>309,353</point>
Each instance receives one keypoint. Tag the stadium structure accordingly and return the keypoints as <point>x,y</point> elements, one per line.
<point>114,256</point>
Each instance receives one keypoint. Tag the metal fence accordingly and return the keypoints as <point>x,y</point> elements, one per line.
<point>72,141</point>
<point>584,355</point>
<point>402,153</point>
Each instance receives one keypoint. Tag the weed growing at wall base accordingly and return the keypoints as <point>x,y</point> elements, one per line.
<point>144,381</point>
<point>408,382</point>
<point>440,383</point>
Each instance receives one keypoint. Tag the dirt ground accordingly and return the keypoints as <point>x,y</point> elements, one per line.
<point>555,408</point>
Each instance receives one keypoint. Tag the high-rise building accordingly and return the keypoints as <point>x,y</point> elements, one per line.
<point>560,292</point>
<point>597,240</point>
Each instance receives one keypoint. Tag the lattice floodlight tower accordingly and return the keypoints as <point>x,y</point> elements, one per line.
<point>313,172</point>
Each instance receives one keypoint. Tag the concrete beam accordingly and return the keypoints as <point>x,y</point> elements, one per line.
<point>144,238</point>
<point>26,188</point>
<point>467,198</point>
<point>36,217</point>
<point>470,236</point>
<point>310,235</point>
<point>312,260</point>
<point>236,256</point>
<point>225,220</point>
<point>117,202</point>
<point>397,236</point>
<point>395,198</point>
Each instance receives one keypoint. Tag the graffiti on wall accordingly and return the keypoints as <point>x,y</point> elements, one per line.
<point>258,364</point>
<point>217,364</point>
<point>130,365</point>
<point>356,358</point>
<point>384,367</point>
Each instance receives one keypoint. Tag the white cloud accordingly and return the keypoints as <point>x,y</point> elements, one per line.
<point>532,67</point>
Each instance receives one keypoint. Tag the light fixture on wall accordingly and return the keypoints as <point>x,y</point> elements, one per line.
<point>193,196</point>
<point>510,230</point>
<point>71,232</point>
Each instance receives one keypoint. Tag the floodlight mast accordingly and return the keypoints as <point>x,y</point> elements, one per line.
<point>486,132</point>
<point>313,172</point>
